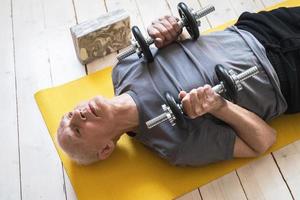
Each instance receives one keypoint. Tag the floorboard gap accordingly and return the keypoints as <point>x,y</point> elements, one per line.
<point>237,174</point>
<point>282,176</point>
<point>16,93</point>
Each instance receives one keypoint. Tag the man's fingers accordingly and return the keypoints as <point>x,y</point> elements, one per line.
<point>199,101</point>
<point>160,39</point>
<point>181,94</point>
<point>155,33</point>
<point>200,93</point>
<point>163,31</point>
<point>201,97</point>
<point>186,103</point>
<point>152,32</point>
<point>209,93</point>
<point>166,29</point>
<point>158,42</point>
<point>195,104</point>
<point>174,22</point>
<point>169,28</point>
<point>157,36</point>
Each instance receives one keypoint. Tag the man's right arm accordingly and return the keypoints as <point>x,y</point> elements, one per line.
<point>255,136</point>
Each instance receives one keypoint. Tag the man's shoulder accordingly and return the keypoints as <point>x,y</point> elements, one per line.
<point>124,70</point>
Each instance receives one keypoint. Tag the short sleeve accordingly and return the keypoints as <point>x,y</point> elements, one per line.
<point>213,141</point>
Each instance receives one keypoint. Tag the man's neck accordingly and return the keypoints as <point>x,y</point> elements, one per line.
<point>125,113</point>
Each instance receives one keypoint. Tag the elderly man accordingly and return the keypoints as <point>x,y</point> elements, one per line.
<point>217,129</point>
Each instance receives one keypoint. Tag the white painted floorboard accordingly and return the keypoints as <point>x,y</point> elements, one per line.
<point>261,179</point>
<point>41,174</point>
<point>9,153</point>
<point>288,159</point>
<point>37,52</point>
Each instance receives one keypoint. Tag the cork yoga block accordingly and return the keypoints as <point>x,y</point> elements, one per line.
<point>99,37</point>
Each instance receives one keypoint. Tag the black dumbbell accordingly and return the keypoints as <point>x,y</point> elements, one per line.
<point>188,18</point>
<point>230,84</point>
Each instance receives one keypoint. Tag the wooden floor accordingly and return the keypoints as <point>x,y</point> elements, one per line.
<point>36,51</point>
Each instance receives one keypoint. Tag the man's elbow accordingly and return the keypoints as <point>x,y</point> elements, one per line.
<point>266,142</point>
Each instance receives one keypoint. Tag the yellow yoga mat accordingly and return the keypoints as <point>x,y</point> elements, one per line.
<point>134,172</point>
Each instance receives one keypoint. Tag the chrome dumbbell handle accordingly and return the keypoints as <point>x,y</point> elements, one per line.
<point>219,88</point>
<point>247,74</point>
<point>238,79</point>
<point>203,12</point>
<point>126,53</point>
<point>166,115</point>
<point>198,15</point>
<point>157,120</point>
<point>134,48</point>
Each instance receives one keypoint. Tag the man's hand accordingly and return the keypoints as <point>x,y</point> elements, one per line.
<point>164,31</point>
<point>200,101</point>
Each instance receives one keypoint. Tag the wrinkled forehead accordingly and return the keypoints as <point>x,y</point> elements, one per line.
<point>63,132</point>
<point>63,123</point>
<point>61,135</point>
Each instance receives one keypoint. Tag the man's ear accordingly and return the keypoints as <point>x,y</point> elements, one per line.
<point>106,151</point>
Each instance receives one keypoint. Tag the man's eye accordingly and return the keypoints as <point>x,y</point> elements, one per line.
<point>70,114</point>
<point>77,132</point>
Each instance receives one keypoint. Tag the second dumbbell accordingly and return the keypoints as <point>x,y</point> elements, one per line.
<point>230,84</point>
<point>189,19</point>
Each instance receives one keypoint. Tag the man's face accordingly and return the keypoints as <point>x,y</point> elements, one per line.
<point>87,127</point>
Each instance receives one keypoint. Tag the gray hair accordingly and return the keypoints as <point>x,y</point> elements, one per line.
<point>78,151</point>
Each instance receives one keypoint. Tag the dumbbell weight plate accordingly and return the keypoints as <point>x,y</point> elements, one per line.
<point>189,20</point>
<point>143,44</point>
<point>229,84</point>
<point>177,111</point>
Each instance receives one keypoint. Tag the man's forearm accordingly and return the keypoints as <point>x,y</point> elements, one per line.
<point>254,131</point>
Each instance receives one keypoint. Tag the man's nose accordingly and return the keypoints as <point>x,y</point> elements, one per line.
<point>77,116</point>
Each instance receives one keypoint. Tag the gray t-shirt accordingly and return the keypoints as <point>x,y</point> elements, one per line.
<point>188,65</point>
